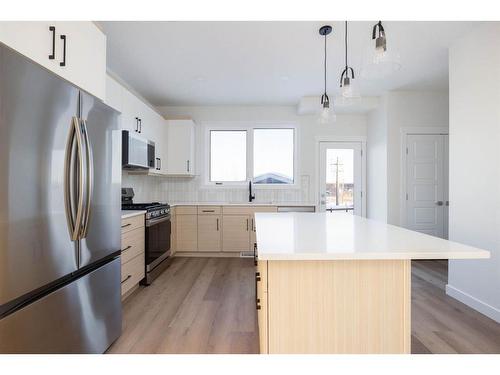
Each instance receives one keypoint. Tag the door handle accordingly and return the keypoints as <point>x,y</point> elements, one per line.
<point>63,63</point>
<point>52,56</point>
<point>89,161</point>
<point>439,203</point>
<point>74,220</point>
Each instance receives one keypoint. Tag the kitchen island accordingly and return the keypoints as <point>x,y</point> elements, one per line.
<point>339,283</point>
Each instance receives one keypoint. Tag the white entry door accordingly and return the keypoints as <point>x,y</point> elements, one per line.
<point>340,177</point>
<point>427,184</point>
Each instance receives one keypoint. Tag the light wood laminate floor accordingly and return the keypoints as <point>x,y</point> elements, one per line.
<point>207,305</point>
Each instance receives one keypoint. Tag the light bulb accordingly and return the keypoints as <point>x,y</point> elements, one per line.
<point>349,89</point>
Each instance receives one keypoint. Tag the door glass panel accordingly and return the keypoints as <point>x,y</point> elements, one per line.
<point>339,180</point>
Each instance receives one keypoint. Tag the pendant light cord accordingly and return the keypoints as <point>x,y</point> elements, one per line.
<point>325,64</point>
<point>346,45</point>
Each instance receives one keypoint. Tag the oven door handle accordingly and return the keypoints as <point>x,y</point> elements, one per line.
<point>151,222</point>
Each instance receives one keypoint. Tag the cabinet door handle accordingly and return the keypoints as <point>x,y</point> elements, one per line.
<point>128,247</point>
<point>159,168</point>
<point>187,162</point>
<point>137,124</point>
<point>126,225</point>
<point>128,277</point>
<point>52,56</point>
<point>63,63</point>
<point>157,164</point>
<point>247,225</point>
<point>140,125</point>
<point>255,254</point>
<point>253,226</point>
<point>217,224</point>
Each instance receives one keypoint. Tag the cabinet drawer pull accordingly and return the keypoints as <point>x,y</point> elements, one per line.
<point>128,277</point>
<point>128,247</point>
<point>126,225</point>
<point>207,210</point>
<point>63,63</point>
<point>52,56</point>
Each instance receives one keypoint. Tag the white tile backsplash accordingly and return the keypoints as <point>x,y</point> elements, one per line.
<point>176,189</point>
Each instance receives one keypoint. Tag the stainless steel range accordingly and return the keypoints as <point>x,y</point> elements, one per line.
<point>157,236</point>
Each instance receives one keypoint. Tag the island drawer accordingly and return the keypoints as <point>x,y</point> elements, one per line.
<point>261,275</point>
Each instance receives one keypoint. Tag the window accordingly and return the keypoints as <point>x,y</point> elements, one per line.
<point>273,156</point>
<point>228,155</point>
<point>264,155</point>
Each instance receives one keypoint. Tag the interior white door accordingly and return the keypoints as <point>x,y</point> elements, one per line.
<point>340,177</point>
<point>426,183</point>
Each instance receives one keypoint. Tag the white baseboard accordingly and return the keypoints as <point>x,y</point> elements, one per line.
<point>476,304</point>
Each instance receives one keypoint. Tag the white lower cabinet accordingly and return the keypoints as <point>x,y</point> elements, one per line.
<point>74,50</point>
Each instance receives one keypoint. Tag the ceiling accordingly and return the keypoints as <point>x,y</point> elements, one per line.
<point>268,63</point>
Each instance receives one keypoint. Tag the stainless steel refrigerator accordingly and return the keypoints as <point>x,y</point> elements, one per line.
<point>60,176</point>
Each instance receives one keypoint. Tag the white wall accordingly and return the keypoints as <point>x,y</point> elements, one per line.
<point>475,168</point>
<point>397,110</point>
<point>191,190</point>
<point>376,158</point>
<point>408,109</point>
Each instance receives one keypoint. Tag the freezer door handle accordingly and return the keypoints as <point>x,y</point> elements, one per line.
<point>89,179</point>
<point>74,184</point>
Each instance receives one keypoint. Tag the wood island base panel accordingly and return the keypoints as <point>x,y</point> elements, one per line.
<point>334,307</point>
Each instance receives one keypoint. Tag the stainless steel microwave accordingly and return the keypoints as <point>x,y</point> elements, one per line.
<point>137,152</point>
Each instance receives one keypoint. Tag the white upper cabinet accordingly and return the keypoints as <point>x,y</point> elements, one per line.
<point>74,50</point>
<point>180,147</point>
<point>114,94</point>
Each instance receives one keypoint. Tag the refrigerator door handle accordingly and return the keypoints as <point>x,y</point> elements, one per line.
<point>89,161</point>
<point>74,221</point>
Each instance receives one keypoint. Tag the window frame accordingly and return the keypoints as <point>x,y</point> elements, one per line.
<point>249,127</point>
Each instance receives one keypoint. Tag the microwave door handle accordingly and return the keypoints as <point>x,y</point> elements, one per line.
<point>89,161</point>
<point>74,220</point>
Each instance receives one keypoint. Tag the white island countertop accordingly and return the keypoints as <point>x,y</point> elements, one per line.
<point>341,236</point>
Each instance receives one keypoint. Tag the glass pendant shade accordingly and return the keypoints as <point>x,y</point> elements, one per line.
<point>326,114</point>
<point>349,88</point>
<point>380,59</point>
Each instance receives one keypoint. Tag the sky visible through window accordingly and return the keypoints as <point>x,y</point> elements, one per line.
<point>273,155</point>
<point>228,155</point>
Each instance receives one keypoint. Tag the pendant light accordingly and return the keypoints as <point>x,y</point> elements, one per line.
<point>347,85</point>
<point>381,59</point>
<point>326,115</point>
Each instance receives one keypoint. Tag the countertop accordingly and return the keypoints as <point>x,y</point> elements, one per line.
<point>131,213</point>
<point>327,236</point>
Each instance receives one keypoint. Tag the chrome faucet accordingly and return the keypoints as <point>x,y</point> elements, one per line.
<point>251,196</point>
